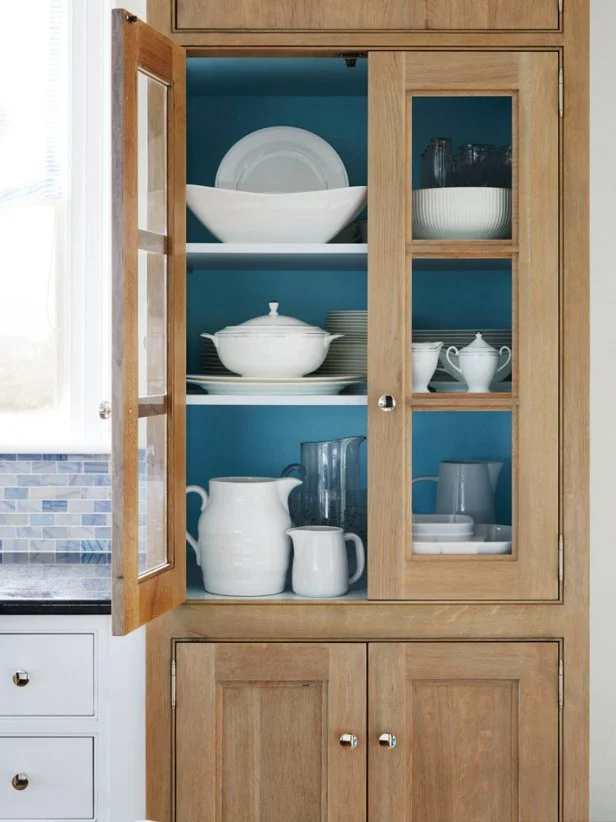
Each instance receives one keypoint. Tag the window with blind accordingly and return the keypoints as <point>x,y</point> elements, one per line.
<point>53,225</point>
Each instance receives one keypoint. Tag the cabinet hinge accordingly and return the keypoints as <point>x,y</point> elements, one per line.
<point>173,680</point>
<point>561,559</point>
<point>561,93</point>
<point>561,682</point>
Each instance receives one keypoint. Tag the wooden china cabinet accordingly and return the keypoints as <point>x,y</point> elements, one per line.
<point>448,688</point>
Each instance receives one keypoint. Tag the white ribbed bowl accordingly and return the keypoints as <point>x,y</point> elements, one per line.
<point>462,214</point>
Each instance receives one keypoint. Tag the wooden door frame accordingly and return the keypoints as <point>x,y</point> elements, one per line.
<point>567,621</point>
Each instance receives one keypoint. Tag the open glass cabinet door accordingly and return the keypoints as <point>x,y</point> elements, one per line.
<point>149,282</point>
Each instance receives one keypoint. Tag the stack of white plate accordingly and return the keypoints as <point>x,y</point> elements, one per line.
<point>442,528</point>
<point>210,361</point>
<point>348,355</point>
<point>463,336</point>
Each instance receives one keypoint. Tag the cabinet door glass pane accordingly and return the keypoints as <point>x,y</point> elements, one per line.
<point>152,324</point>
<point>462,170</point>
<point>152,493</point>
<point>152,139</point>
<point>462,483</point>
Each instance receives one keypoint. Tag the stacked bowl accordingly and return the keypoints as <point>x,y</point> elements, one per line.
<point>442,528</point>
<point>350,354</point>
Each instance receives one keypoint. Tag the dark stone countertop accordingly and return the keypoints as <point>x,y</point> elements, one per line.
<point>31,585</point>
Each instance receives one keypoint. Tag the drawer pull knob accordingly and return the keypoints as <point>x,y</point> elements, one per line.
<point>348,740</point>
<point>20,781</point>
<point>387,740</point>
<point>21,678</point>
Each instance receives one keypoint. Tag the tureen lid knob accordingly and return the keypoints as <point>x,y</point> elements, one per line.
<point>273,307</point>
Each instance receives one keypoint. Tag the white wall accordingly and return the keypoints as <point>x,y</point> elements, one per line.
<point>603,417</point>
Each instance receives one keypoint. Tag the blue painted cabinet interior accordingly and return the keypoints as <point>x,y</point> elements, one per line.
<point>229,98</point>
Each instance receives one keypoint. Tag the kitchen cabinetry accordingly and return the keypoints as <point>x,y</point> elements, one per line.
<point>71,736</point>
<point>447,725</point>
<point>400,15</point>
<point>467,651</point>
<point>289,724</point>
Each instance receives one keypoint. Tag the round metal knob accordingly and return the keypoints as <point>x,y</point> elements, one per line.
<point>387,402</point>
<point>21,678</point>
<point>387,740</point>
<point>104,410</point>
<point>20,781</point>
<point>348,741</point>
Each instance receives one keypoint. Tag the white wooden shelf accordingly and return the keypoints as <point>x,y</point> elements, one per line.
<point>277,256</point>
<point>198,594</point>
<point>261,399</point>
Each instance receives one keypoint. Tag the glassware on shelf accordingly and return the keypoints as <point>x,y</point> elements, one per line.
<point>474,165</point>
<point>436,163</point>
<point>330,493</point>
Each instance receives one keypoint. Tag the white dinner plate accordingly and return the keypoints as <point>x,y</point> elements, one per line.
<point>322,385</point>
<point>282,160</point>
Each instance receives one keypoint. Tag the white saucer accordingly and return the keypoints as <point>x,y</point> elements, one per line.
<point>310,386</point>
<point>281,159</point>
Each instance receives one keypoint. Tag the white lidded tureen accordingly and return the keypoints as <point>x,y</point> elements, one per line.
<point>272,346</point>
<point>478,363</point>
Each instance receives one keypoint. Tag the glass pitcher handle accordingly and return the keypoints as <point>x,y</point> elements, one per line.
<point>295,466</point>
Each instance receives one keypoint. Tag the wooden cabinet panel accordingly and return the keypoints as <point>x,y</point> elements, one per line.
<point>530,82</point>
<point>396,15</point>
<point>258,729</point>
<point>476,726</point>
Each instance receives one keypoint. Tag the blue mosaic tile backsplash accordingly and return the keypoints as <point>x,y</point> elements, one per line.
<point>55,507</point>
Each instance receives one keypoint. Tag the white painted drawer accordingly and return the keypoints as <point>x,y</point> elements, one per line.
<point>60,777</point>
<point>58,670</point>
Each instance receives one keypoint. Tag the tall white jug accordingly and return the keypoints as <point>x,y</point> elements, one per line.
<point>242,547</point>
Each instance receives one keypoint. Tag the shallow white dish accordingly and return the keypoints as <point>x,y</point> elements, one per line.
<point>471,213</point>
<point>246,217</point>
<point>310,386</point>
<point>281,159</point>
<point>488,539</point>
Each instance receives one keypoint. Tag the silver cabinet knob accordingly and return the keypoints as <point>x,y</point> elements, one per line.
<point>104,410</point>
<point>387,740</point>
<point>387,402</point>
<point>348,741</point>
<point>20,781</point>
<point>21,678</point>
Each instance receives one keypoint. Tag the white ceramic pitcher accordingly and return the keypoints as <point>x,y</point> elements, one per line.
<point>320,566</point>
<point>242,546</point>
<point>466,487</point>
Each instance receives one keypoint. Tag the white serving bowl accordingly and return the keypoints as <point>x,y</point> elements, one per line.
<point>462,213</point>
<point>272,346</point>
<point>249,217</point>
<point>442,537</point>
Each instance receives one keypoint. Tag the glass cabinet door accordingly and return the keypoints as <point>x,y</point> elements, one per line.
<point>148,323</point>
<point>464,326</point>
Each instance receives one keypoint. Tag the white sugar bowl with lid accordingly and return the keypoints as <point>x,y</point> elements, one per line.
<point>272,346</point>
<point>478,364</point>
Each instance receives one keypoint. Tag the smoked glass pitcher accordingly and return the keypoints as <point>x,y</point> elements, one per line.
<point>330,493</point>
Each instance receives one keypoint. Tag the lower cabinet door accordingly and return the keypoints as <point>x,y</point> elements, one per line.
<point>475,727</point>
<point>271,732</point>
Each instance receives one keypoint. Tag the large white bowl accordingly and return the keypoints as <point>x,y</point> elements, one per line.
<point>462,213</point>
<point>249,217</point>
